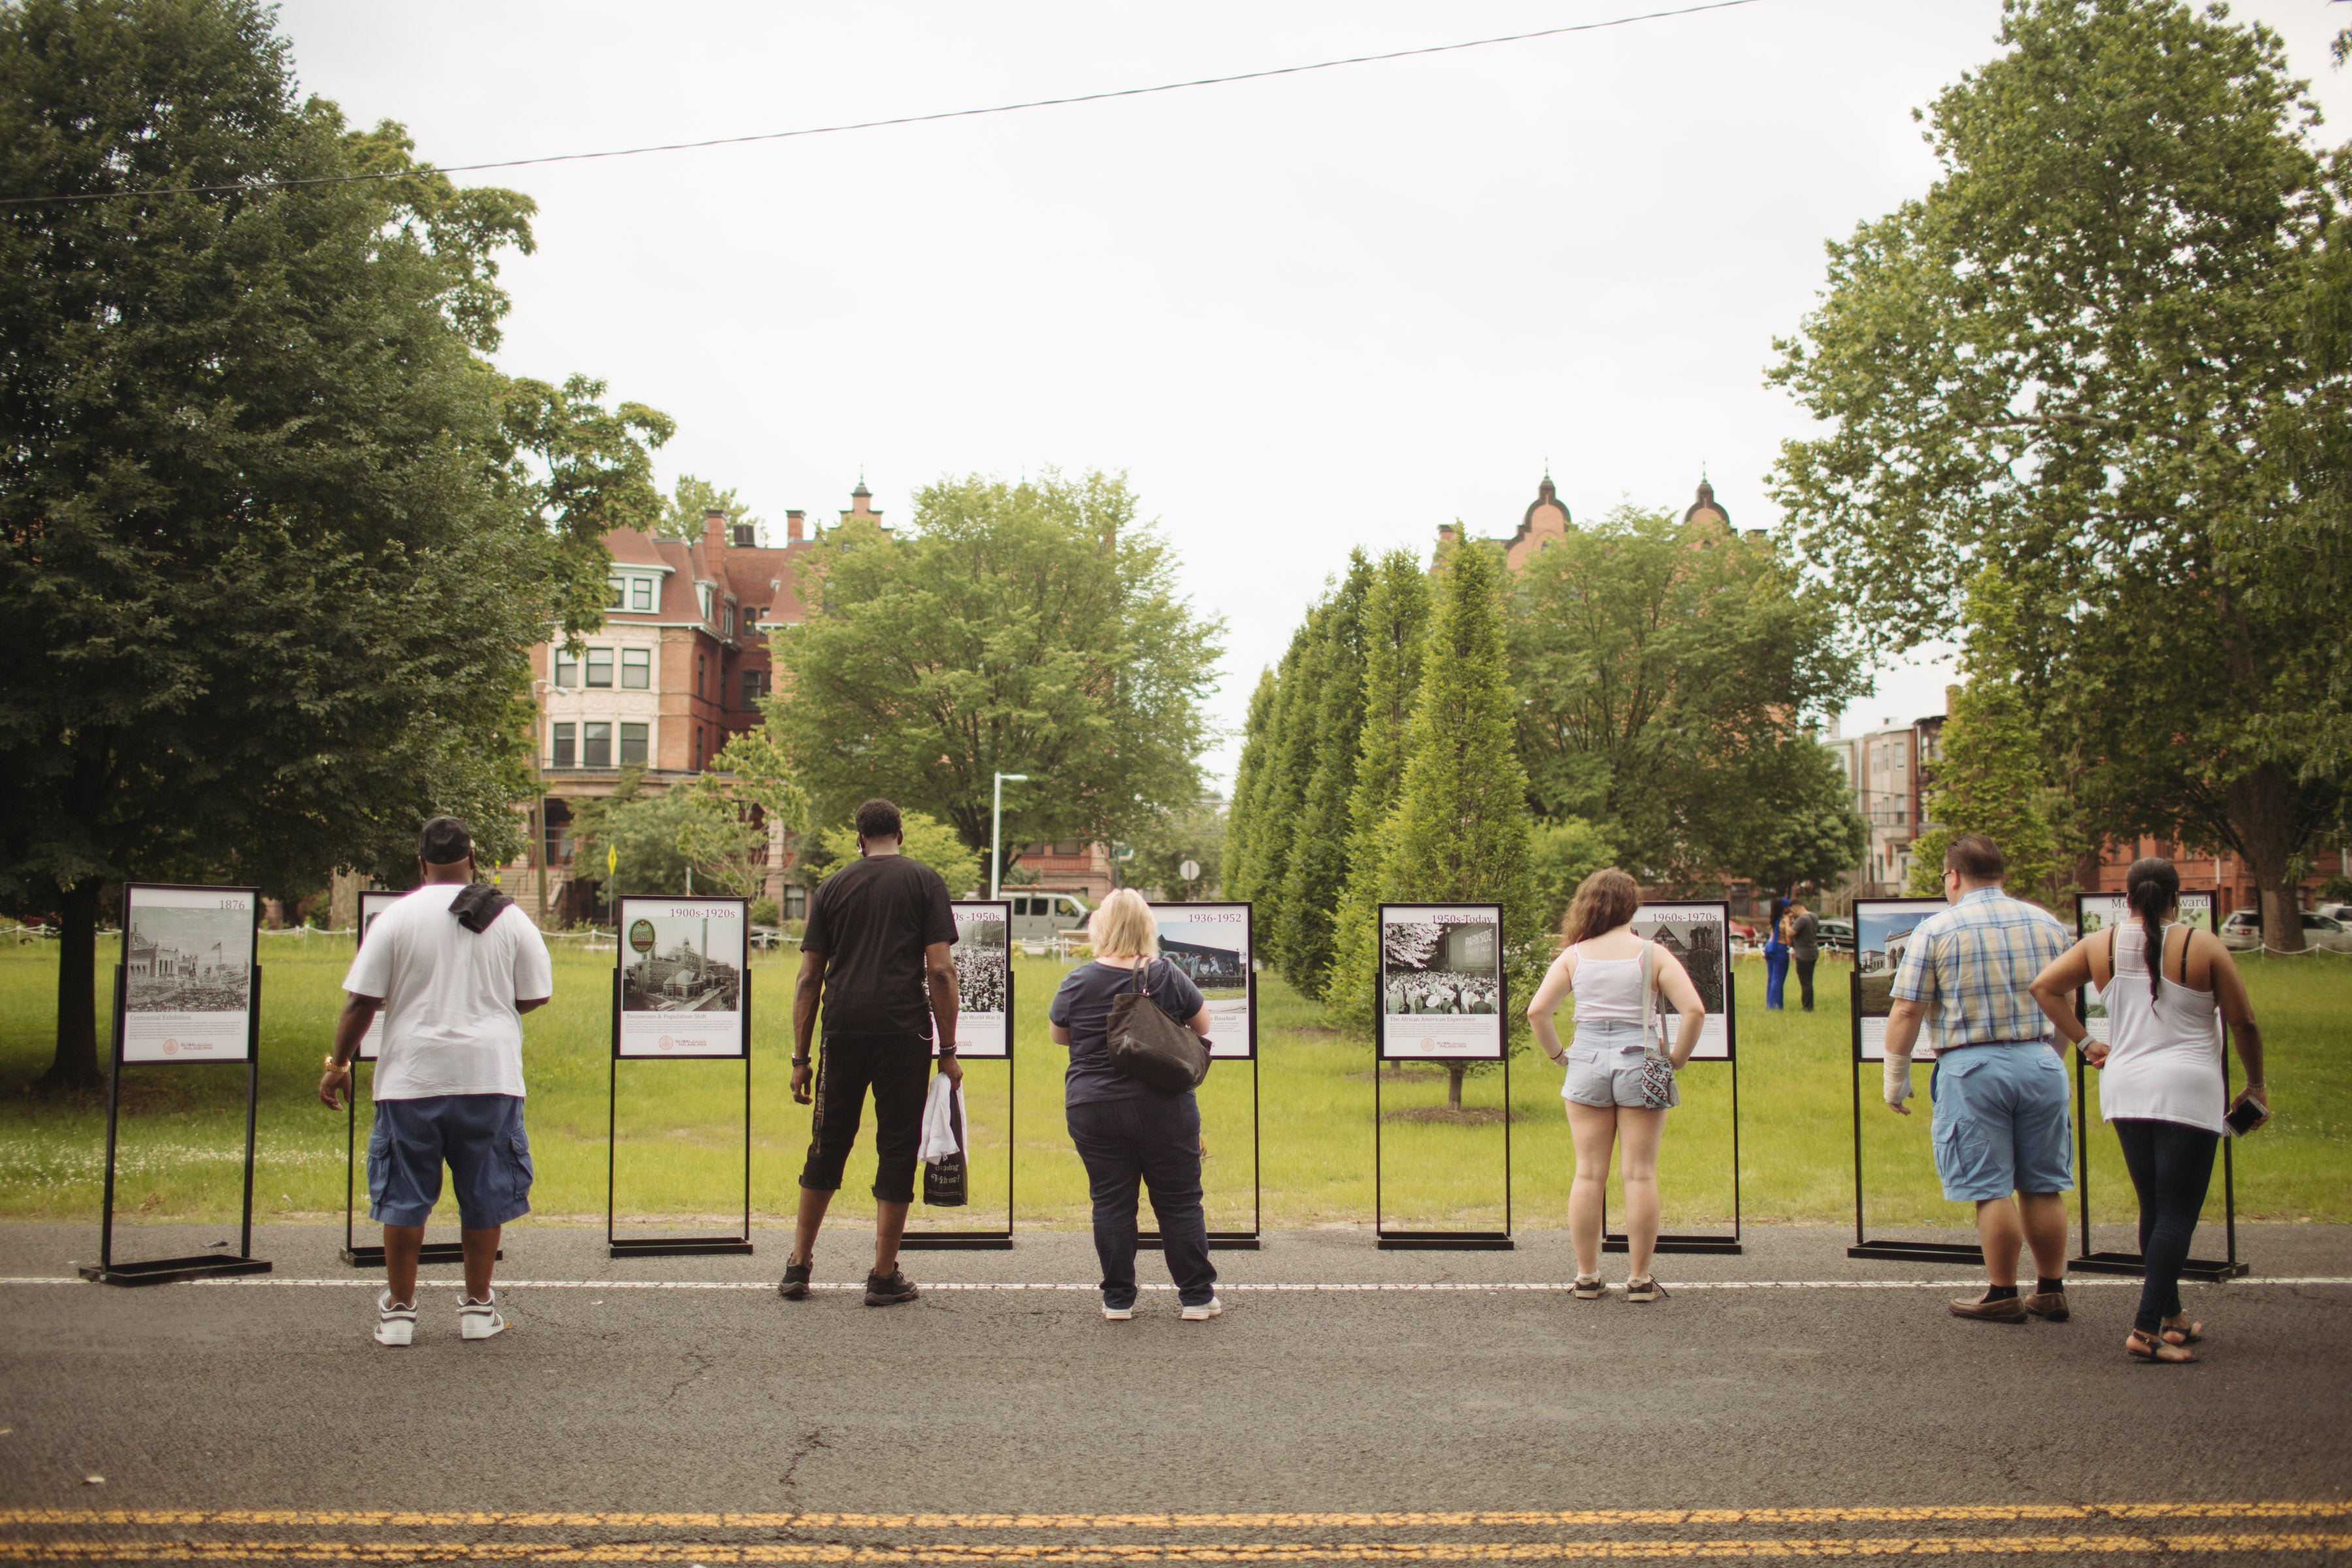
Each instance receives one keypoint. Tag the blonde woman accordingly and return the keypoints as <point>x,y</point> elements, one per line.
<point>1127,1131</point>
<point>1618,979</point>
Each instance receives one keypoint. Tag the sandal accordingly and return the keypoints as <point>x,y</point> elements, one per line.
<point>2188,1336</point>
<point>2151,1348</point>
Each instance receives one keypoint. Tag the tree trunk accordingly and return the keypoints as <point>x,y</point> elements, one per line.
<point>2261,808</point>
<point>76,1063</point>
<point>1453,1089</point>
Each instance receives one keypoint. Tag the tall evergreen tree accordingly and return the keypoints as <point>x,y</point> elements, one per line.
<point>1240,820</point>
<point>1396,620</point>
<point>1460,832</point>
<point>1282,780</point>
<point>1317,874</point>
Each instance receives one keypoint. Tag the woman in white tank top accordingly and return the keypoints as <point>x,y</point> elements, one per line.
<point>2162,1087</point>
<point>1617,979</point>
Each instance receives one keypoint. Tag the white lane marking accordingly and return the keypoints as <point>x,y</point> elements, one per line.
<point>368,1282</point>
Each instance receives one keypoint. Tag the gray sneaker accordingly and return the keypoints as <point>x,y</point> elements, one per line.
<point>888,1291</point>
<point>1646,1290</point>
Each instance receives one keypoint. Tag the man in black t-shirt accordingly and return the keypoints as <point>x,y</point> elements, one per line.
<point>877,940</point>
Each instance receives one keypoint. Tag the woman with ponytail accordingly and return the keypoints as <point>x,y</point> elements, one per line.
<point>2163,1084</point>
<point>1621,981</point>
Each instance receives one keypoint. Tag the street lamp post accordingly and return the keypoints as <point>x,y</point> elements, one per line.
<point>996,833</point>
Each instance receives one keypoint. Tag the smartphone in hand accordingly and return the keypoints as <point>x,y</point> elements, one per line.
<point>2246,1116</point>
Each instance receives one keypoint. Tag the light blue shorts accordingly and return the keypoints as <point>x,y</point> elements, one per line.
<point>1604,1067</point>
<point>479,1136</point>
<point>2004,1123</point>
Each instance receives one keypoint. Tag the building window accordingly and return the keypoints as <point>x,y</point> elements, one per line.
<point>705,602</point>
<point>697,748</point>
<point>698,662</point>
<point>1069,846</point>
<point>637,667</point>
<point>633,745</point>
<point>600,666</point>
<point>567,668</point>
<point>731,620</point>
<point>795,903</point>
<point>617,596</point>
<point>751,620</point>
<point>595,745</point>
<point>755,687</point>
<point>641,593</point>
<point>564,755</point>
<point>556,817</point>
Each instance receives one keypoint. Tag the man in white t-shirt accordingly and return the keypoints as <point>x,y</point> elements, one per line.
<point>454,966</point>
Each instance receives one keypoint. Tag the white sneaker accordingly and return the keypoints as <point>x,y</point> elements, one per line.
<point>1118,1314</point>
<point>1203,1313</point>
<point>479,1320</point>
<point>394,1325</point>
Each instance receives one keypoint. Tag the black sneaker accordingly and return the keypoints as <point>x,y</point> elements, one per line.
<point>889,1289</point>
<point>793,1286</point>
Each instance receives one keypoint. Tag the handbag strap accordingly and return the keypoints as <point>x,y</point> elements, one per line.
<point>1649,996</point>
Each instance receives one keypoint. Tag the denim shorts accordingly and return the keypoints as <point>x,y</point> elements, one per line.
<point>1604,1067</point>
<point>2004,1123</point>
<point>480,1136</point>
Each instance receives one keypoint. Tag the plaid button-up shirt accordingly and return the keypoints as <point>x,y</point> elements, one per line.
<point>1971,965</point>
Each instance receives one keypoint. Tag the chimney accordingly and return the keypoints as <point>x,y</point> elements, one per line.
<point>714,528</point>
<point>795,526</point>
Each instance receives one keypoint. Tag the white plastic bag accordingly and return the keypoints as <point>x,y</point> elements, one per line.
<point>942,1117</point>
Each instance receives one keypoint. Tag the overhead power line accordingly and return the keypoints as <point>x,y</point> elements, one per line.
<point>881,124</point>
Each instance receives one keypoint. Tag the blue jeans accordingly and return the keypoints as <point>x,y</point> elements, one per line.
<point>1776,972</point>
<point>2170,1165</point>
<point>1155,1140</point>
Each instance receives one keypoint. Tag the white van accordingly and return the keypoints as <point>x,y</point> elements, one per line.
<point>1037,916</point>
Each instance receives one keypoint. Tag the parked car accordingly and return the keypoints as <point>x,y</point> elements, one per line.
<point>2242,931</point>
<point>2341,913</point>
<point>1835,935</point>
<point>1037,916</point>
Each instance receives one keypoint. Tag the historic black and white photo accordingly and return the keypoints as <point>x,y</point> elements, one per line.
<point>1211,943</point>
<point>983,955</point>
<point>1699,935</point>
<point>681,977</point>
<point>1441,980</point>
<point>187,973</point>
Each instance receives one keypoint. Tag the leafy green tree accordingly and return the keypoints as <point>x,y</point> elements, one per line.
<point>1032,628</point>
<point>1316,875</point>
<point>1459,834</point>
<point>581,471</point>
<point>1396,616</point>
<point>929,840</point>
<point>2084,358</point>
<point>1278,791</point>
<point>1560,855</point>
<point>646,829</point>
<point>693,499</point>
<point>1802,829</point>
<point>1196,833</point>
<point>270,553</point>
<point>747,792</point>
<point>1667,668</point>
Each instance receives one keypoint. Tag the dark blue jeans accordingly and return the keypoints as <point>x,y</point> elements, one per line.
<point>2171,1164</point>
<point>1155,1140</point>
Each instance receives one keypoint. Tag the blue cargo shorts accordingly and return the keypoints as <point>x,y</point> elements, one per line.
<point>2004,1123</point>
<point>480,1136</point>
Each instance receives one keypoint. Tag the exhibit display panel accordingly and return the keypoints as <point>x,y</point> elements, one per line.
<point>1882,933</point>
<point>1211,943</point>
<point>370,906</point>
<point>984,966</point>
<point>2096,912</point>
<point>1699,937</point>
<point>1441,982</point>
<point>681,983</point>
<point>187,964</point>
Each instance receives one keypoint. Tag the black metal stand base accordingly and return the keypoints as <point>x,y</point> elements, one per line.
<point>2204,1271</point>
<point>956,1241</point>
<point>679,1246</point>
<point>1722,1245</point>
<point>431,1252</point>
<point>1447,1241</point>
<point>1219,1241</point>
<point>1960,1252</point>
<point>172,1270</point>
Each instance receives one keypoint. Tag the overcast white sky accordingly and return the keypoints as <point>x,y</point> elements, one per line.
<point>1301,314</point>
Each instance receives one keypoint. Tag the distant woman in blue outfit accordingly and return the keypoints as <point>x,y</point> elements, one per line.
<point>1776,956</point>
<point>1128,1133</point>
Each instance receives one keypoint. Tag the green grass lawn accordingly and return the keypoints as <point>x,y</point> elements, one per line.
<point>680,1122</point>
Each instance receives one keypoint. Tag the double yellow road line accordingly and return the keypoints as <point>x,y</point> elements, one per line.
<point>2310,1530</point>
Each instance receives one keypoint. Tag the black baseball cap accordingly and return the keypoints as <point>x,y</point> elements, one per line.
<point>445,842</point>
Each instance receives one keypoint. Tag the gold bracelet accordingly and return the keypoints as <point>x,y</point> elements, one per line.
<point>334,1066</point>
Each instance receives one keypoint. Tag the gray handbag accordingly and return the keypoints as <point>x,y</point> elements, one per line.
<point>1658,1091</point>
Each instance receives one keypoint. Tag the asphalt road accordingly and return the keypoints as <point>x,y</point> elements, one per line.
<point>1459,1418</point>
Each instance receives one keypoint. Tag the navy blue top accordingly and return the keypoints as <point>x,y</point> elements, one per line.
<point>1083,1007</point>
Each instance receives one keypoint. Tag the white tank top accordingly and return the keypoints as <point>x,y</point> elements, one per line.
<point>1607,990</point>
<point>2166,1060</point>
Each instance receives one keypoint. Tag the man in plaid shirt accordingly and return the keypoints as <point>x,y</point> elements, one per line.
<point>2002,1124</point>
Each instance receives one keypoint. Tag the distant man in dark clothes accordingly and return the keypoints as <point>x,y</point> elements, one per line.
<point>1804,949</point>
<point>879,934</point>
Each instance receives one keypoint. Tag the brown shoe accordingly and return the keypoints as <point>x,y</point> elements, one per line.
<point>2049,1305</point>
<point>2008,1309</point>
